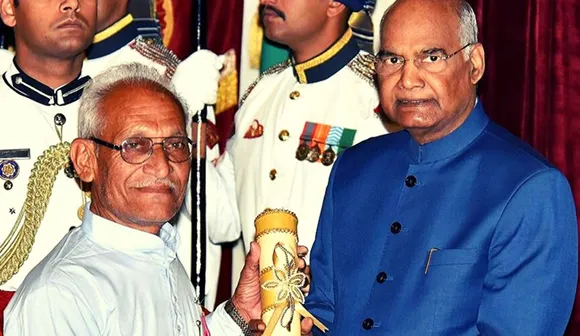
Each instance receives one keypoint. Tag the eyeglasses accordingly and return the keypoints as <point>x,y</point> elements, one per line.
<point>139,149</point>
<point>433,61</point>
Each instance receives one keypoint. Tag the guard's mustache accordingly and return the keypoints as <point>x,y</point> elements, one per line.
<point>278,12</point>
<point>164,181</point>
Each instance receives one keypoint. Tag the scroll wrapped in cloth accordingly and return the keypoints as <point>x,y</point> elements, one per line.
<point>280,279</point>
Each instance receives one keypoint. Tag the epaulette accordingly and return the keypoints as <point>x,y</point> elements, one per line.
<point>364,66</point>
<point>154,50</point>
<point>275,69</point>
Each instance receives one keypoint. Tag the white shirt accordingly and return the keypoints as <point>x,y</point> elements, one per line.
<point>337,91</point>
<point>30,126</point>
<point>104,278</point>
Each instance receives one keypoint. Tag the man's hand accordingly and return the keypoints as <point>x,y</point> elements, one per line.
<point>246,298</point>
<point>196,78</point>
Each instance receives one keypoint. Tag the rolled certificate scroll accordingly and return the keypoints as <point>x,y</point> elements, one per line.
<point>280,279</point>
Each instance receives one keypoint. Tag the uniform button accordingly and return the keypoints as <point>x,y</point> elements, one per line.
<point>396,227</point>
<point>294,95</point>
<point>18,80</point>
<point>284,135</point>
<point>410,181</point>
<point>59,119</point>
<point>273,173</point>
<point>381,277</point>
<point>368,324</point>
<point>179,328</point>
<point>8,185</point>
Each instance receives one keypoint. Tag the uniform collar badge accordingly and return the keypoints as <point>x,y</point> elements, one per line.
<point>256,130</point>
<point>9,169</point>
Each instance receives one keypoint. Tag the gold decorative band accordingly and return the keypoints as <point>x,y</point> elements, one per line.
<point>265,232</point>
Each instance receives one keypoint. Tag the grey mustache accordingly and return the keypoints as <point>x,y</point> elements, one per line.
<point>145,184</point>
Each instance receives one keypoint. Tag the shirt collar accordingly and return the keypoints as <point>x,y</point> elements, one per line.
<point>329,62</point>
<point>119,237</point>
<point>30,88</point>
<point>453,143</point>
<point>121,33</point>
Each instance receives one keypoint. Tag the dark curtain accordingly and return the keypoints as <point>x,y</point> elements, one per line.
<point>175,19</point>
<point>532,80</point>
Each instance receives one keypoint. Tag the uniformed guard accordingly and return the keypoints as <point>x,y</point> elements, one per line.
<point>311,109</point>
<point>39,93</point>
<point>126,34</point>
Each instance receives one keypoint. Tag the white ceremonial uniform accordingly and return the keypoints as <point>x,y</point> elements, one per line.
<point>137,40</point>
<point>287,120</point>
<point>6,57</point>
<point>107,279</point>
<point>30,111</point>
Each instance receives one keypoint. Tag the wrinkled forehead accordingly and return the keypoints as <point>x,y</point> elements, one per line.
<point>142,105</point>
<point>420,25</point>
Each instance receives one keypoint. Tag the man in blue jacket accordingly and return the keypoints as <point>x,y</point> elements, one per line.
<point>454,226</point>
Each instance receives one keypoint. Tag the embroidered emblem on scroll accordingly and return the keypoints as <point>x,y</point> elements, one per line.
<point>280,279</point>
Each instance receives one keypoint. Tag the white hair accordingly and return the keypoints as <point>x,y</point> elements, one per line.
<point>91,122</point>
<point>467,24</point>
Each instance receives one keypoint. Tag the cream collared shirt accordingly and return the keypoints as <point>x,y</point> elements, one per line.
<point>107,279</point>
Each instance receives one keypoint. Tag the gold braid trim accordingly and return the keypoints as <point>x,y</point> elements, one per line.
<point>275,69</point>
<point>15,250</point>
<point>363,65</point>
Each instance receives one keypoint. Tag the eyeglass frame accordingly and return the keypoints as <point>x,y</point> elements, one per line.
<point>150,152</point>
<point>382,54</point>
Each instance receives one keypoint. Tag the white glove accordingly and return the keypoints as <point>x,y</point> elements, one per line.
<point>196,79</point>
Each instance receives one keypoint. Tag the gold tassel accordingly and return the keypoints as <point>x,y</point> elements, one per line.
<point>15,250</point>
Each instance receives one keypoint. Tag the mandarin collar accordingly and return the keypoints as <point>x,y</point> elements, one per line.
<point>119,237</point>
<point>452,143</point>
<point>121,33</point>
<point>31,88</point>
<point>329,62</point>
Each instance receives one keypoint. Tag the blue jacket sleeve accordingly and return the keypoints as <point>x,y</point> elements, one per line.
<point>320,300</point>
<point>533,261</point>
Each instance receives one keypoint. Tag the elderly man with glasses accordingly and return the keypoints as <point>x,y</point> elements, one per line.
<point>118,273</point>
<point>453,226</point>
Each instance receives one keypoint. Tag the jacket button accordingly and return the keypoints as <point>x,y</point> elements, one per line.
<point>294,95</point>
<point>368,324</point>
<point>381,277</point>
<point>284,135</point>
<point>8,185</point>
<point>410,181</point>
<point>273,173</point>
<point>396,227</point>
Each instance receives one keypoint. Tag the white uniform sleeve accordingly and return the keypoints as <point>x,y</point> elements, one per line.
<point>222,217</point>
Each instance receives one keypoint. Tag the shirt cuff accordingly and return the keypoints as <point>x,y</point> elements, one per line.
<point>220,323</point>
